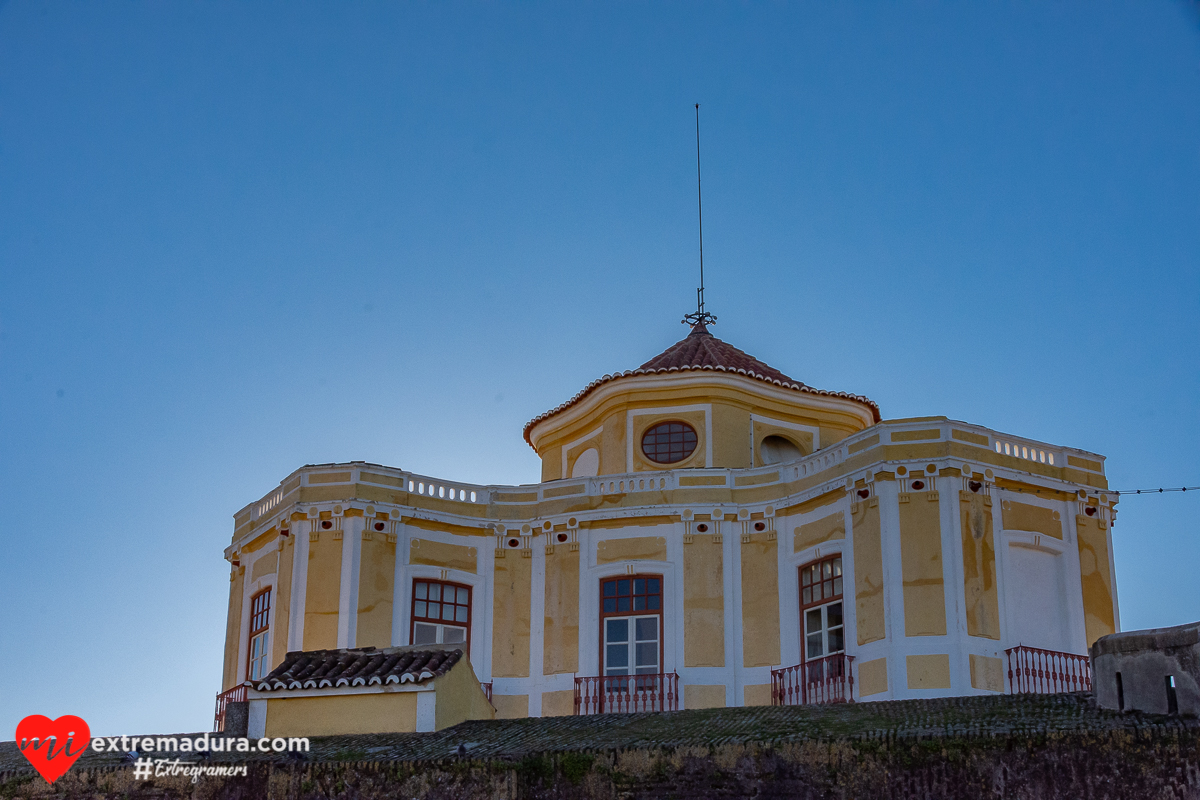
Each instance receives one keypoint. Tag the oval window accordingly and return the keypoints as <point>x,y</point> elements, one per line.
<point>776,448</point>
<point>669,442</point>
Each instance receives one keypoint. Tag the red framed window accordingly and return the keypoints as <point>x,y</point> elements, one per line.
<point>441,613</point>
<point>260,635</point>
<point>821,608</point>
<point>631,629</point>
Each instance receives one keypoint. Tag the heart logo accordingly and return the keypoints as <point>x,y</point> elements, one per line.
<point>52,745</point>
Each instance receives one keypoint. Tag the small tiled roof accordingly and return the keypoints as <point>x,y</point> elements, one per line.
<point>700,350</point>
<point>365,666</point>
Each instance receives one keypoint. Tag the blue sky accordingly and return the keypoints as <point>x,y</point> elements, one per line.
<point>237,238</point>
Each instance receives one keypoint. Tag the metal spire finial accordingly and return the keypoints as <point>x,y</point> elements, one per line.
<point>700,318</point>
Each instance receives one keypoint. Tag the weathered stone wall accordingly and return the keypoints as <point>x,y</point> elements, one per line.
<point>1156,671</point>
<point>1117,764</point>
<point>1025,747</point>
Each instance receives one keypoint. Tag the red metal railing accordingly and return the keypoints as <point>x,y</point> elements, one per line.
<point>487,690</point>
<point>623,694</point>
<point>235,695</point>
<point>822,680</point>
<point>1047,671</point>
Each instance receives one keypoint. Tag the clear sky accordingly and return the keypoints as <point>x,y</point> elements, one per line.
<point>236,238</point>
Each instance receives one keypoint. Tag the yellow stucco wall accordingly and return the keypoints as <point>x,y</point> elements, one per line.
<point>928,672</point>
<point>921,566</point>
<point>442,554</point>
<point>340,714</point>
<point>731,406</point>
<point>552,463</point>
<point>823,530</point>
<point>987,673</point>
<point>282,598</point>
<point>638,548</point>
<point>459,697</point>
<point>1097,578</point>
<point>510,617</point>
<point>265,565</point>
<point>560,651</point>
<point>321,594</point>
<point>731,434</point>
<point>699,696</point>
<point>760,601</point>
<point>1018,516</point>
<point>558,704</point>
<point>868,571</point>
<point>872,677</point>
<point>511,706</point>
<point>259,542</point>
<point>233,629</point>
<point>756,694</point>
<point>703,603</point>
<point>829,498</point>
<point>376,589</point>
<point>980,594</point>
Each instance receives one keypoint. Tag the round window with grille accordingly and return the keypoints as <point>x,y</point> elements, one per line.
<point>669,442</point>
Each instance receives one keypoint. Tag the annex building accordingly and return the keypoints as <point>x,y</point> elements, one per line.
<point>707,532</point>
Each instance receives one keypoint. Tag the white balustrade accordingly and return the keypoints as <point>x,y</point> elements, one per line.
<point>1028,451</point>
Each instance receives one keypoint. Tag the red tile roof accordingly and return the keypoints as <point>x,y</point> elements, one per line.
<point>366,666</point>
<point>700,350</point>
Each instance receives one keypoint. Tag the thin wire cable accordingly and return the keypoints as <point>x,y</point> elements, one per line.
<point>1098,492</point>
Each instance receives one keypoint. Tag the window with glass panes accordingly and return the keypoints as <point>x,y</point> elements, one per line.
<point>260,635</point>
<point>631,625</point>
<point>669,442</point>
<point>441,613</point>
<point>821,608</point>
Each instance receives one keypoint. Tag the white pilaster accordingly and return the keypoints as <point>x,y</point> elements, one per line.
<point>537,623</point>
<point>352,528</point>
<point>426,719</point>
<point>950,523</point>
<point>731,554</point>
<point>295,633</point>
<point>1073,578</point>
<point>887,492</point>
<point>401,591</point>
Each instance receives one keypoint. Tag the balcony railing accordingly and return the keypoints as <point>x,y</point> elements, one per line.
<point>487,690</point>
<point>1035,671</point>
<point>235,695</point>
<point>624,694</point>
<point>822,680</point>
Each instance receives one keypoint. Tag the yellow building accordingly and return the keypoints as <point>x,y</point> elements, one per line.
<point>708,524</point>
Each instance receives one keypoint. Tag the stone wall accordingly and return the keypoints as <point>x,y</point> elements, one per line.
<point>1156,670</point>
<point>1031,747</point>
<point>1117,765</point>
